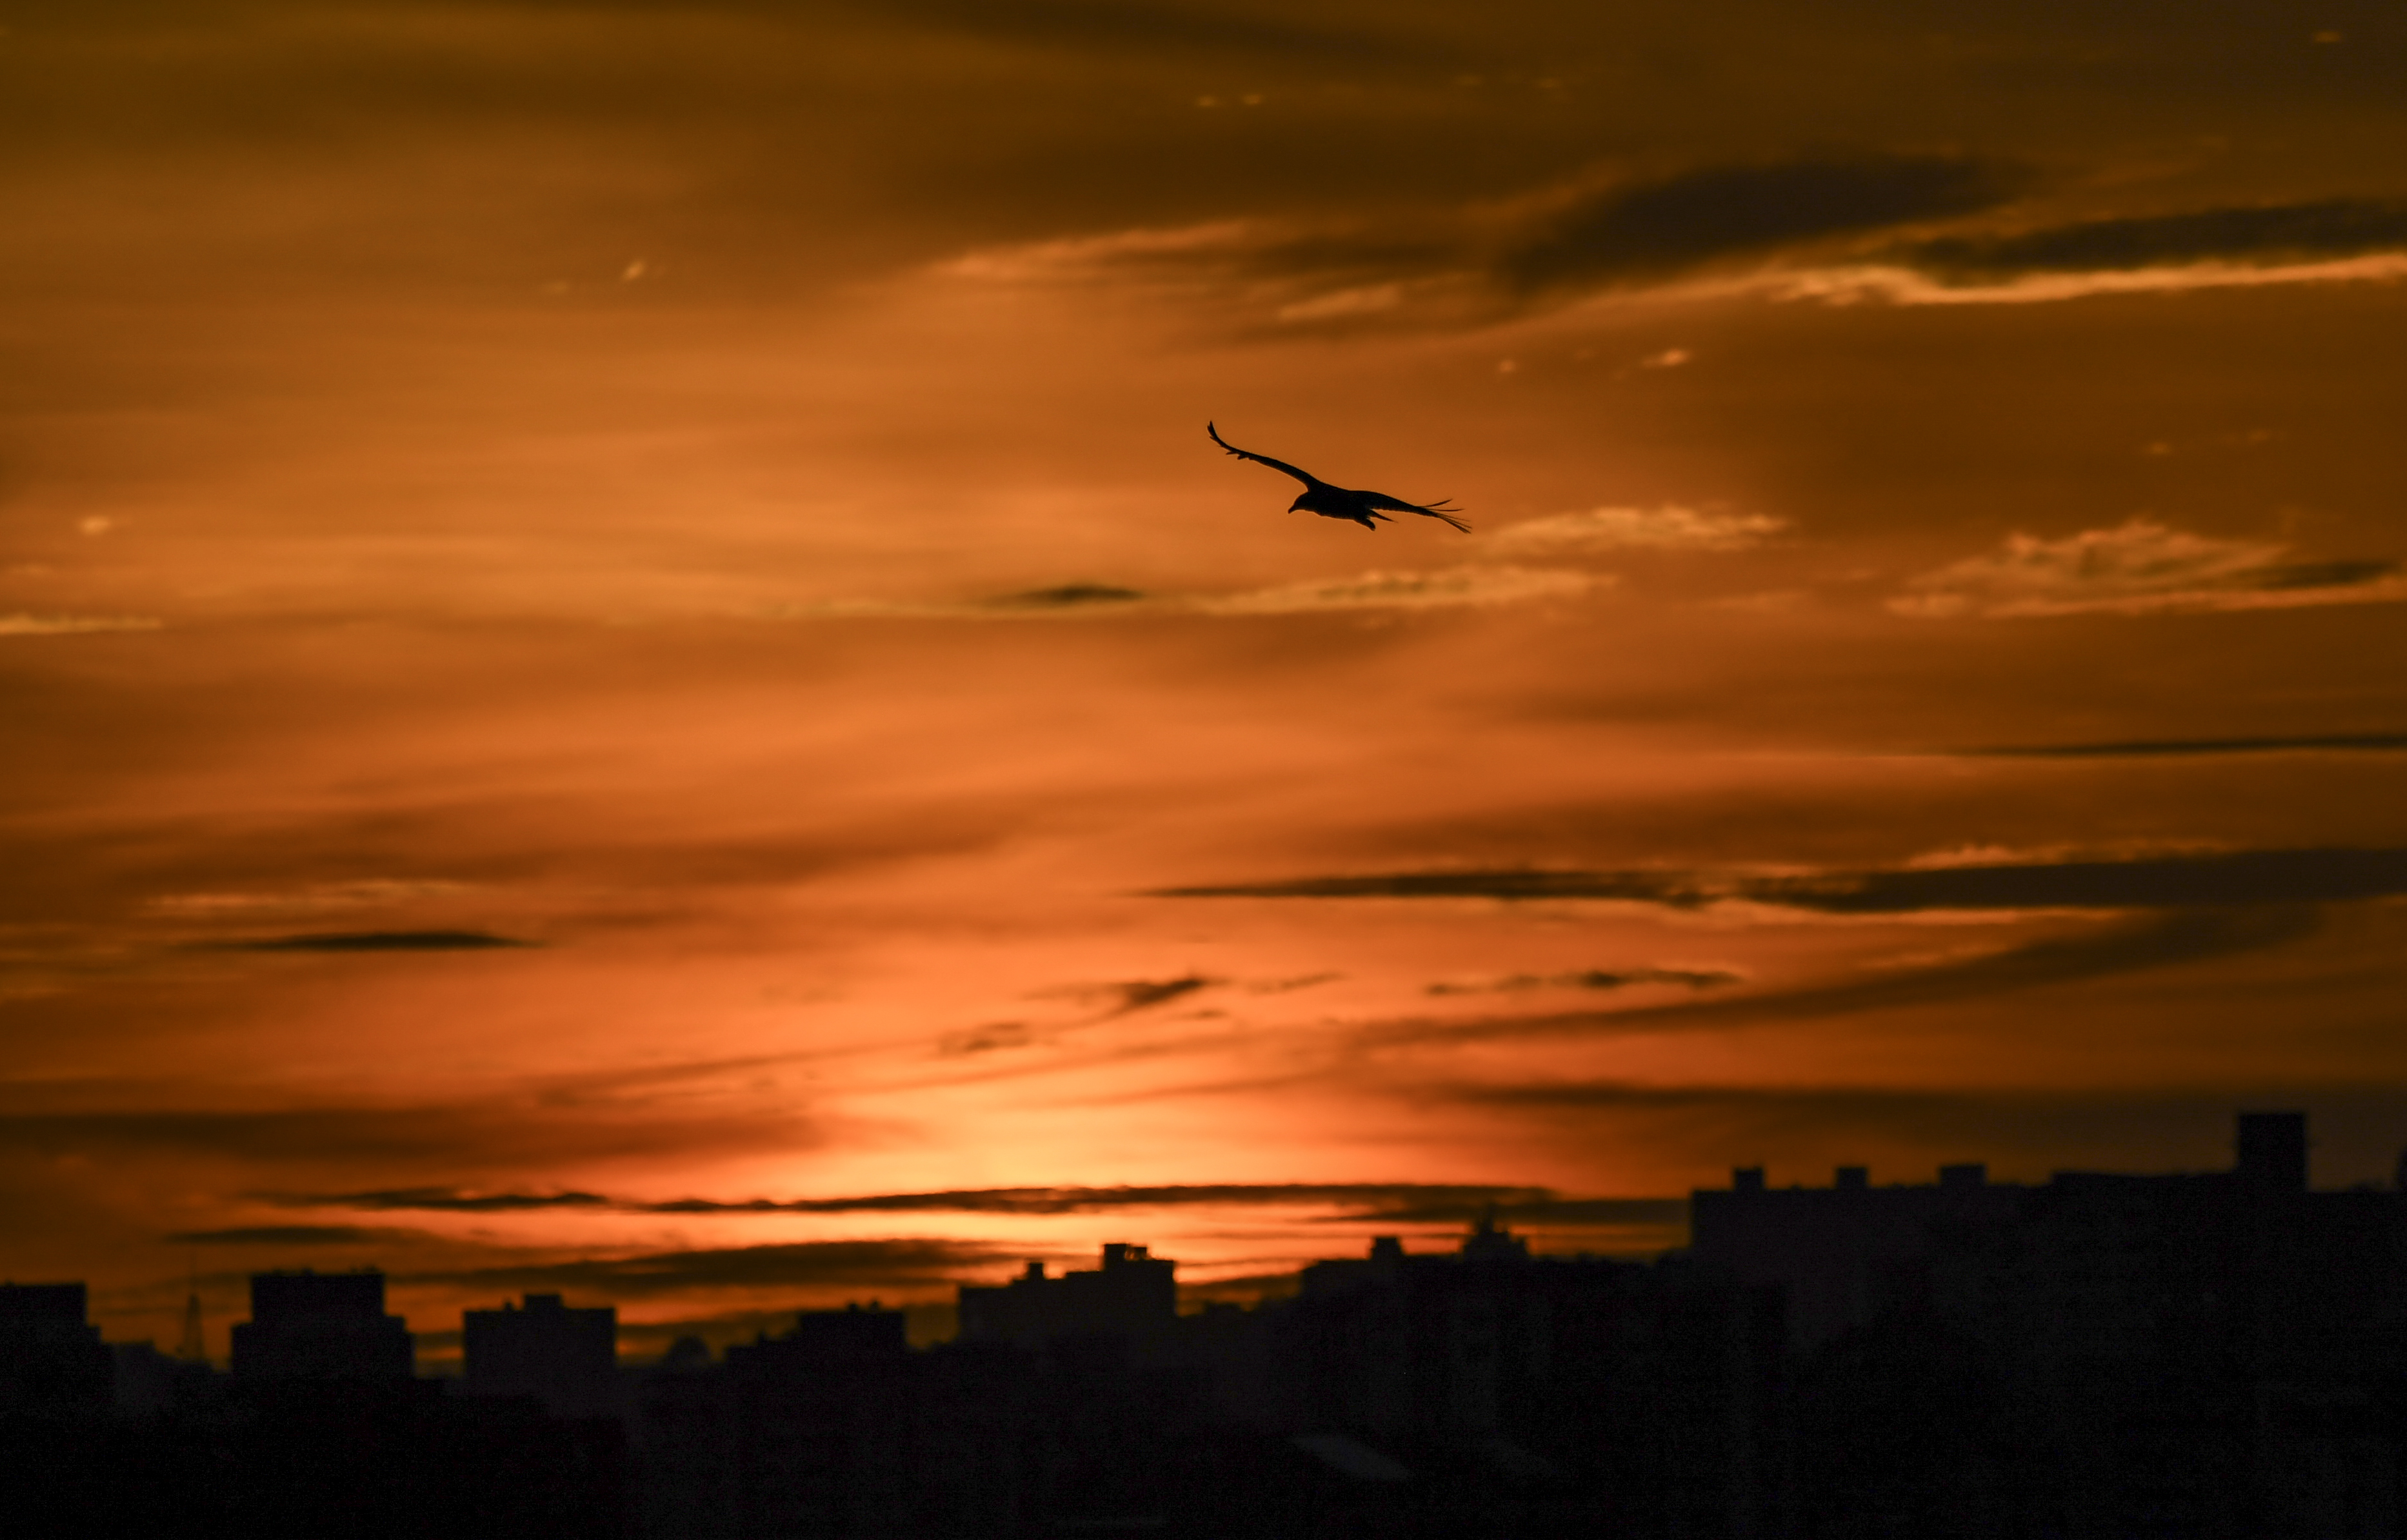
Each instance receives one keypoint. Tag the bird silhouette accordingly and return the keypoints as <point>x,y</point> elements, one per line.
<point>1330,502</point>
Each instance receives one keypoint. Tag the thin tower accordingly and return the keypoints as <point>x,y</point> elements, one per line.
<point>194,1346</point>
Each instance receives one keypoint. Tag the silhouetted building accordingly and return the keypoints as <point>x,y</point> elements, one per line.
<point>1845,1252</point>
<point>310,1325</point>
<point>1578,1392</point>
<point>1133,1294</point>
<point>2203,1354</point>
<point>567,1358</point>
<point>51,1360</point>
<point>803,1434</point>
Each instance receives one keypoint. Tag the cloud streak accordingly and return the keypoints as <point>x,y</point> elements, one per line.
<point>860,1263</point>
<point>2127,946</point>
<point>74,625</point>
<point>1841,229</point>
<point>2141,567</point>
<point>369,941</point>
<point>1592,979</point>
<point>1475,586</point>
<point>1670,527</point>
<point>1357,1199</point>
<point>2304,743</point>
<point>2233,879</point>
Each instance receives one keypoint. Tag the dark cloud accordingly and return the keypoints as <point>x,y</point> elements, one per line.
<point>854,1264</point>
<point>370,941</point>
<point>1478,261</point>
<point>1543,1210</point>
<point>2244,878</point>
<point>438,1198</point>
<point>1177,31</point>
<point>1070,596</point>
<point>2128,946</point>
<point>1142,994</point>
<point>291,1234</point>
<point>2342,742</point>
<point>1591,978</point>
<point>472,1137</point>
<point>985,1040</point>
<point>1361,1199</point>
<point>1119,997</point>
<point>1664,887</point>
<point>2278,232</point>
<point>1698,216</point>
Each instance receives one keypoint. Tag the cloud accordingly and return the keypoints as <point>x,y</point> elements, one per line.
<point>1356,1199</point>
<point>1811,227</point>
<point>1479,262</point>
<point>74,625</point>
<point>1855,284</point>
<point>1679,222</point>
<point>2127,946</point>
<point>900,1263</point>
<point>1591,978</point>
<point>2307,743</point>
<point>1451,588</point>
<point>2273,234</point>
<point>2232,878</point>
<point>1546,1211</point>
<point>438,1200</point>
<point>366,893</point>
<point>987,1039</point>
<point>500,1133</point>
<point>2140,567</point>
<point>1122,996</point>
<point>1670,527</point>
<point>292,1235</point>
<point>370,941</point>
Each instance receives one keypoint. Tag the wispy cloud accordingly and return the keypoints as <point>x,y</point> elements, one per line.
<point>2265,235</point>
<point>1896,227</point>
<point>1691,218</point>
<point>1670,527</point>
<point>1358,1199</point>
<point>294,1234</point>
<point>370,893</point>
<point>369,941</point>
<point>74,625</point>
<point>438,1199</point>
<point>2227,878</point>
<point>2140,567</point>
<point>1450,588</point>
<point>2125,946</point>
<point>1590,979</point>
<point>856,1264</point>
<point>1121,996</point>
<point>2304,743</point>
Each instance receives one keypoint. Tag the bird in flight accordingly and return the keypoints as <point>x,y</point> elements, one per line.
<point>1330,502</point>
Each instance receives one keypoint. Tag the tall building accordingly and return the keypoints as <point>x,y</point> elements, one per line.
<point>566,1358</point>
<point>310,1325</point>
<point>52,1361</point>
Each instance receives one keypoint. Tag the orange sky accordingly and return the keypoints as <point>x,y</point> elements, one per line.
<point>611,611</point>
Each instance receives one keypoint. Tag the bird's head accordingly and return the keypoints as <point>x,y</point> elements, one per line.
<point>1296,507</point>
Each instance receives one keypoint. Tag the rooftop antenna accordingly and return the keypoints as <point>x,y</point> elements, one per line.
<point>194,1346</point>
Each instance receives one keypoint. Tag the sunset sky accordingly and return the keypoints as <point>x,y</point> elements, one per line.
<point>625,667</point>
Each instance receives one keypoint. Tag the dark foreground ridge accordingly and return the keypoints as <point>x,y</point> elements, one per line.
<point>2214,1354</point>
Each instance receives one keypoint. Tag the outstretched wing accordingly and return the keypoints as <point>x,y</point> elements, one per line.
<point>1435,510</point>
<point>1305,476</point>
